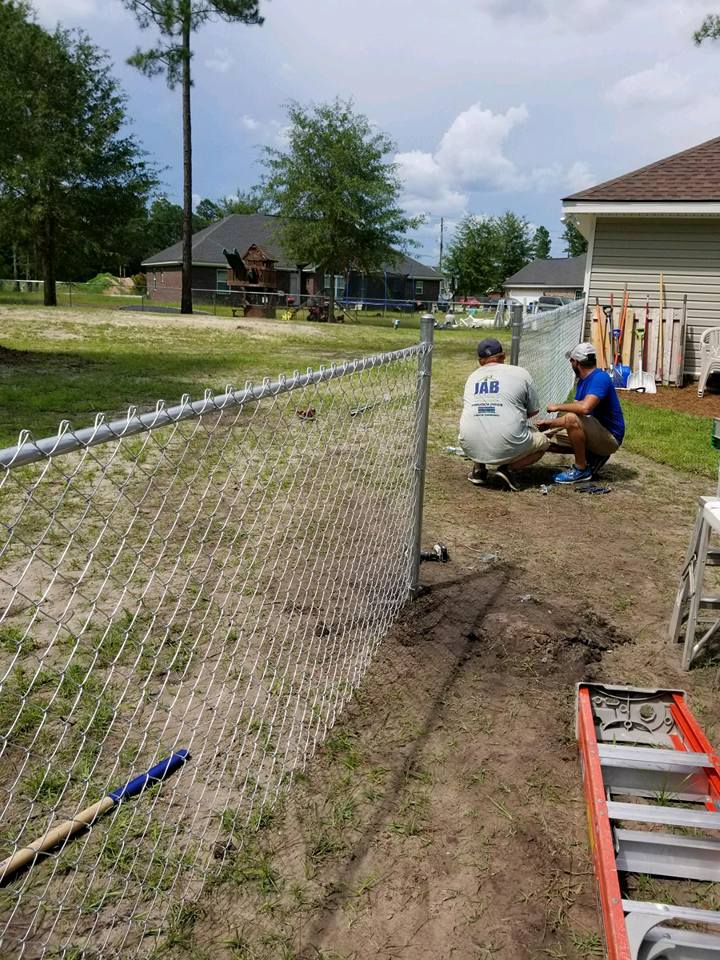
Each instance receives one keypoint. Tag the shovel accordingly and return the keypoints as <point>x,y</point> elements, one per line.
<point>639,381</point>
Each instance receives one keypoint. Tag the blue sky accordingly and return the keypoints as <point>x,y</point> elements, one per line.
<point>493,104</point>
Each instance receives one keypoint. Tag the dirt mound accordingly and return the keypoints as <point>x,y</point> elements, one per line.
<point>485,616</point>
<point>435,821</point>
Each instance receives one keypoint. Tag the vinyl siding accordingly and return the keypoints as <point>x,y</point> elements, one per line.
<point>634,251</point>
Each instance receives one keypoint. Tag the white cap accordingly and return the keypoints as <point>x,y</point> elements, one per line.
<point>581,352</point>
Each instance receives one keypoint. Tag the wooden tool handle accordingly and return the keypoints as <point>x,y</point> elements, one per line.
<point>52,838</point>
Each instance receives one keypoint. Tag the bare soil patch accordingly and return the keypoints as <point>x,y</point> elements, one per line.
<point>685,400</point>
<point>444,816</point>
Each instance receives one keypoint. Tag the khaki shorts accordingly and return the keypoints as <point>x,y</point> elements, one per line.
<point>598,438</point>
<point>540,443</point>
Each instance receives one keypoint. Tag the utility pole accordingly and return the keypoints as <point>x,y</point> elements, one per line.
<point>442,230</point>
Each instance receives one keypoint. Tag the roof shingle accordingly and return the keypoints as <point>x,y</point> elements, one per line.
<point>554,272</point>
<point>692,174</point>
<point>240,230</point>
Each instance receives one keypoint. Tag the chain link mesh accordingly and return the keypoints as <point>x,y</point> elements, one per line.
<point>214,578</point>
<point>545,339</point>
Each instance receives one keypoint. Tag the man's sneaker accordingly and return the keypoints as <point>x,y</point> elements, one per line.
<point>479,475</point>
<point>507,477</point>
<point>595,462</point>
<point>574,475</point>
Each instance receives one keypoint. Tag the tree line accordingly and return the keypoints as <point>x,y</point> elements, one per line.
<point>485,251</point>
<point>79,196</point>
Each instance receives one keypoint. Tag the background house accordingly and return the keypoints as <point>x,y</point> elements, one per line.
<point>663,218</point>
<point>555,277</point>
<point>218,249</point>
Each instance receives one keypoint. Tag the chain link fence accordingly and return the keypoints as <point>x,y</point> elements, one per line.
<point>540,342</point>
<point>197,590</point>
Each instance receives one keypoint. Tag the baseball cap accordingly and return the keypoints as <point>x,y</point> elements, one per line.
<point>581,352</point>
<point>490,347</point>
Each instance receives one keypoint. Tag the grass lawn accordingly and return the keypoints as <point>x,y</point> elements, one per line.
<point>62,364</point>
<point>680,440</point>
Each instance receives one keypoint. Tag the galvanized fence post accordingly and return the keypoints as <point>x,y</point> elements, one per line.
<point>423,408</point>
<point>516,320</point>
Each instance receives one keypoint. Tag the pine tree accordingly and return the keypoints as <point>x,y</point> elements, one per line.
<point>542,244</point>
<point>177,20</point>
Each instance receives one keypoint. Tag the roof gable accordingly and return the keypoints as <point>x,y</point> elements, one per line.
<point>554,272</point>
<point>692,174</point>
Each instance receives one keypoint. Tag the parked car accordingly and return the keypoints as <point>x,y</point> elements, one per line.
<point>550,303</point>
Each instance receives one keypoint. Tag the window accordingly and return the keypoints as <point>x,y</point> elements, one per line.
<point>418,287</point>
<point>221,281</point>
<point>154,286</point>
<point>339,287</point>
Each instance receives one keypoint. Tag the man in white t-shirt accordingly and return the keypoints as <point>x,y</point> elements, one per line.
<point>498,402</point>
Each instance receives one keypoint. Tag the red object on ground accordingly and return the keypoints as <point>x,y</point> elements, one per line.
<point>600,834</point>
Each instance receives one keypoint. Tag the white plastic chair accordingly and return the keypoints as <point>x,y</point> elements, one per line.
<point>709,356</point>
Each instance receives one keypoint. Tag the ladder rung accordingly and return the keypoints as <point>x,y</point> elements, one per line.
<point>670,816</point>
<point>705,945</point>
<point>710,603</point>
<point>645,772</point>
<point>668,911</point>
<point>658,759</point>
<point>668,855</point>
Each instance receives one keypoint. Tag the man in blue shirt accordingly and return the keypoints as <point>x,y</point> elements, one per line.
<point>592,425</point>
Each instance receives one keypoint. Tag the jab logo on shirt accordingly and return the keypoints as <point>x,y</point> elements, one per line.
<point>487,386</point>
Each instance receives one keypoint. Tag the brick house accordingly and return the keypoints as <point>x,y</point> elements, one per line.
<point>220,262</point>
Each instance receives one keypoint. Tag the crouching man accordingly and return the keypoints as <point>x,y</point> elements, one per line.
<point>498,402</point>
<point>592,425</point>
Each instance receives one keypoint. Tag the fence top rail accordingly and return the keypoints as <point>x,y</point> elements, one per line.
<point>28,450</point>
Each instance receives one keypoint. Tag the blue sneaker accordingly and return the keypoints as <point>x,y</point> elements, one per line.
<point>574,475</point>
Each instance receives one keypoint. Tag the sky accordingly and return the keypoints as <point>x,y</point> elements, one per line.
<point>492,104</point>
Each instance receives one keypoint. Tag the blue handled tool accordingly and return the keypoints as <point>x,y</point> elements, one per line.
<point>63,831</point>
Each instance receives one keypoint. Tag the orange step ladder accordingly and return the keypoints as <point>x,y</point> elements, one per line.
<point>646,761</point>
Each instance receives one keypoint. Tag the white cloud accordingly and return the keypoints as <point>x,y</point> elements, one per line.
<point>558,177</point>
<point>220,61</point>
<point>471,158</point>
<point>249,123</point>
<point>659,85</point>
<point>471,149</point>
<point>579,176</point>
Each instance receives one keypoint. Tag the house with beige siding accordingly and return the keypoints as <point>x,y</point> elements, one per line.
<point>661,219</point>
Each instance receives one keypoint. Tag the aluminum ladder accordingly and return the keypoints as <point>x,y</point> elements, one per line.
<point>646,762</point>
<point>691,601</point>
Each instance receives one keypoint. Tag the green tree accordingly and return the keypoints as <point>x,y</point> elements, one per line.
<point>244,201</point>
<point>709,29</point>
<point>70,180</point>
<point>514,244</point>
<point>177,20</point>
<point>471,260</point>
<point>336,191</point>
<point>542,244</point>
<point>485,251</point>
<point>575,242</point>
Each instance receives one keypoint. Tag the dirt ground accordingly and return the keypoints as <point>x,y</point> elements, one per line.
<point>444,817</point>
<point>685,400</point>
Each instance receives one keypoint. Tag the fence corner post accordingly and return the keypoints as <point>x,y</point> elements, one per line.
<point>423,415</point>
<point>516,322</point>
